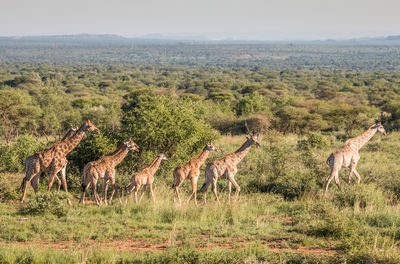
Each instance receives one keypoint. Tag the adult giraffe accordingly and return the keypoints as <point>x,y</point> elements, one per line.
<point>348,156</point>
<point>52,159</point>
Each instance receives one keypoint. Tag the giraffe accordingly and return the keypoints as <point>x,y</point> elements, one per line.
<point>145,178</point>
<point>348,156</point>
<point>191,171</point>
<point>227,168</point>
<point>105,168</point>
<point>31,158</point>
<point>53,160</point>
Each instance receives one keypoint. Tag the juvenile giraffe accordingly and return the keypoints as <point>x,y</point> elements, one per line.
<point>191,171</point>
<point>64,180</point>
<point>53,160</point>
<point>145,178</point>
<point>227,168</point>
<point>104,168</point>
<point>348,156</point>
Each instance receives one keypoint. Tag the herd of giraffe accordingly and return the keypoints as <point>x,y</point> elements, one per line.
<point>53,160</point>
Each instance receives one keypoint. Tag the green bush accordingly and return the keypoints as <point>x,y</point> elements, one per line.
<point>314,140</point>
<point>9,187</point>
<point>48,203</point>
<point>251,104</point>
<point>13,157</point>
<point>163,124</point>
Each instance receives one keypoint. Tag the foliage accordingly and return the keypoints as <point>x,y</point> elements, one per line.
<point>18,112</point>
<point>48,203</point>
<point>13,157</point>
<point>251,104</point>
<point>314,140</point>
<point>162,124</point>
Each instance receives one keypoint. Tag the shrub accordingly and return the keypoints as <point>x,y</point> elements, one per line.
<point>250,104</point>
<point>8,187</point>
<point>13,157</point>
<point>314,140</point>
<point>163,124</point>
<point>48,203</point>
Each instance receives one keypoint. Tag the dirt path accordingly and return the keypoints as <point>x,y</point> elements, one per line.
<point>157,245</point>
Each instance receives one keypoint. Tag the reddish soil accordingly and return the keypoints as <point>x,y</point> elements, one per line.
<point>142,245</point>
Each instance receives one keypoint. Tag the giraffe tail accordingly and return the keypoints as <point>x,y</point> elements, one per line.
<point>329,159</point>
<point>204,188</point>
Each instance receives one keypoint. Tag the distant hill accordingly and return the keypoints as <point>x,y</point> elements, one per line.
<point>67,38</point>
<point>190,39</point>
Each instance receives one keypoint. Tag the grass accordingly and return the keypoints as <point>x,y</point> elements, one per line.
<point>359,224</point>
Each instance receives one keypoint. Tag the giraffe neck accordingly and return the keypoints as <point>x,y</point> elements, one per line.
<point>241,152</point>
<point>201,158</point>
<point>69,134</point>
<point>119,149</point>
<point>71,142</point>
<point>155,165</point>
<point>119,156</point>
<point>362,139</point>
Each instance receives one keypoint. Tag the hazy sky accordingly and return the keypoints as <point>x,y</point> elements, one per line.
<point>262,19</point>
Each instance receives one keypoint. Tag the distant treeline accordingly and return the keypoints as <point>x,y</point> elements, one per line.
<point>109,50</point>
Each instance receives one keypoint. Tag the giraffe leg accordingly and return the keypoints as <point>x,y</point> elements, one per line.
<point>136,192</point>
<point>350,174</point>
<point>28,178</point>
<point>337,180</point>
<point>194,187</point>
<point>229,191</point>
<point>35,183</point>
<point>84,188</point>
<point>64,178</point>
<point>195,192</point>
<point>143,190</point>
<point>214,189</point>
<point>151,192</point>
<point>52,176</point>
<point>237,187</point>
<point>96,196</point>
<point>204,189</point>
<point>59,183</point>
<point>105,189</point>
<point>177,194</point>
<point>328,181</point>
<point>114,191</point>
<point>357,175</point>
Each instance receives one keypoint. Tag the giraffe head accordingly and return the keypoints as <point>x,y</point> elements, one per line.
<point>131,145</point>
<point>88,126</point>
<point>209,146</point>
<point>162,156</point>
<point>379,127</point>
<point>253,140</point>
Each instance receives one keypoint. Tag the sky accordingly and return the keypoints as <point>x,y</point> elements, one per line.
<point>215,19</point>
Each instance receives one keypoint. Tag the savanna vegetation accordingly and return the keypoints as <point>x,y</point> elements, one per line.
<point>303,111</point>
